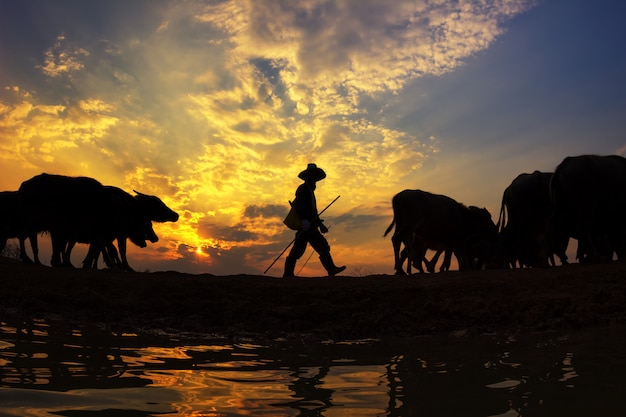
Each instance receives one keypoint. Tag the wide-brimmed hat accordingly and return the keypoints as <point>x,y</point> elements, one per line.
<point>312,172</point>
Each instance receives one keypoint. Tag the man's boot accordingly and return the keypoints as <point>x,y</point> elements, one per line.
<point>290,265</point>
<point>329,265</point>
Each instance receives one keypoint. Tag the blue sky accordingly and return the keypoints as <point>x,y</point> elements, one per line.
<point>216,107</point>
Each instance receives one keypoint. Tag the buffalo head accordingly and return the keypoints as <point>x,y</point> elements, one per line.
<point>155,209</point>
<point>141,232</point>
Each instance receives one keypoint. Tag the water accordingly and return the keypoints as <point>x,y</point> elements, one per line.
<point>47,369</point>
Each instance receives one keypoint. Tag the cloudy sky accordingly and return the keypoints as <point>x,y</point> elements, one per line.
<point>216,106</point>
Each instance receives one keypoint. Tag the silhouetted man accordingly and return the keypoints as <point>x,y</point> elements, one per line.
<point>312,226</point>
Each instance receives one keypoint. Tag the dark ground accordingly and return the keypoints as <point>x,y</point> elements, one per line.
<point>339,308</point>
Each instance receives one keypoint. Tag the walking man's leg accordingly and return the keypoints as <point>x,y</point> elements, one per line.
<point>298,249</point>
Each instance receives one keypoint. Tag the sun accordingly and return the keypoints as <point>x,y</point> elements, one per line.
<point>200,252</point>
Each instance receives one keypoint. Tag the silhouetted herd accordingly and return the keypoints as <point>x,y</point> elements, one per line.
<point>79,210</point>
<point>584,199</point>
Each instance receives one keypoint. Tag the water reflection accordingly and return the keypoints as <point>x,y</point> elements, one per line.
<point>39,356</point>
<point>50,369</point>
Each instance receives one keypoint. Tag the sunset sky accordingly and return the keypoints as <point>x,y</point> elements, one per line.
<point>216,106</point>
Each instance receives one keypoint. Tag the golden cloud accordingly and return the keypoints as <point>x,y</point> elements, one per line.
<point>60,59</point>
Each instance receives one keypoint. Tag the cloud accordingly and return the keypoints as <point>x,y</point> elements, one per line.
<point>216,107</point>
<point>366,45</point>
<point>264,211</point>
<point>233,234</point>
<point>61,59</point>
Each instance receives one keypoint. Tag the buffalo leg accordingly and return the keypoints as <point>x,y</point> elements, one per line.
<point>121,244</point>
<point>34,246</point>
<point>95,248</point>
<point>397,241</point>
<point>23,256</point>
<point>430,265</point>
<point>106,255</point>
<point>59,253</point>
<point>113,255</point>
<point>447,260</point>
<point>91,259</point>
<point>416,255</point>
<point>419,258</point>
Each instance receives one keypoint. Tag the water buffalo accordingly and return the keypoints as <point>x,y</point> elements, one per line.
<point>70,208</point>
<point>441,220</point>
<point>135,215</point>
<point>588,200</point>
<point>151,209</point>
<point>12,224</point>
<point>81,209</point>
<point>523,218</point>
<point>131,222</point>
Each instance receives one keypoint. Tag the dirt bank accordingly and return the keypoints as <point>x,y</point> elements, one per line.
<point>339,308</point>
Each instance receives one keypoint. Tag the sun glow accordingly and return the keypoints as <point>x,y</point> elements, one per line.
<point>201,253</point>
